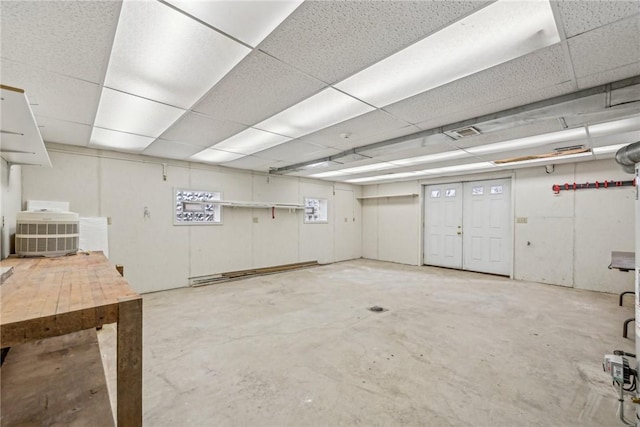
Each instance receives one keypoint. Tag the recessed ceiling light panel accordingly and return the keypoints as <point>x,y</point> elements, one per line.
<point>232,17</point>
<point>161,54</point>
<point>119,141</point>
<point>500,32</point>
<point>128,113</point>
<point>317,112</point>
<point>210,155</point>
<point>355,170</point>
<point>250,141</point>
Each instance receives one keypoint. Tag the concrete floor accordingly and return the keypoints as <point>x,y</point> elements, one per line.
<point>453,349</point>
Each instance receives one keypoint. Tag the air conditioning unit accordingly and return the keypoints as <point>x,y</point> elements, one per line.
<point>47,233</point>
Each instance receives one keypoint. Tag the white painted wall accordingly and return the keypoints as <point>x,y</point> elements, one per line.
<point>158,255</point>
<point>10,205</point>
<point>392,225</point>
<point>567,239</point>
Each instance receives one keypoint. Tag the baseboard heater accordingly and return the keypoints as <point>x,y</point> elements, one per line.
<point>241,274</point>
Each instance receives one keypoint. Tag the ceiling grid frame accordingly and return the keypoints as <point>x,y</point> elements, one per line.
<point>573,23</point>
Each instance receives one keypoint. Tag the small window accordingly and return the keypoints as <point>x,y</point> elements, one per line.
<point>315,211</point>
<point>496,189</point>
<point>197,207</point>
<point>477,191</point>
<point>435,194</point>
<point>451,192</point>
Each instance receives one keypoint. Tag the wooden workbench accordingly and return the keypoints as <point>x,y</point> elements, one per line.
<point>48,297</point>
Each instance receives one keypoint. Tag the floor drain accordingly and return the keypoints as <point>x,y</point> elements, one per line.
<point>376,309</point>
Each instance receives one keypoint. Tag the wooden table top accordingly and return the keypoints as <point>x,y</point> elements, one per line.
<point>45,287</point>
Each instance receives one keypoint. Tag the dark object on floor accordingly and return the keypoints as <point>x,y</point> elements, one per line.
<point>3,354</point>
<point>376,309</point>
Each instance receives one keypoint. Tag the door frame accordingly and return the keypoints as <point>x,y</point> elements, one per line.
<point>463,179</point>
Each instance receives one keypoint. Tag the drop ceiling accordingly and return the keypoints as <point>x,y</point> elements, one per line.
<point>355,91</point>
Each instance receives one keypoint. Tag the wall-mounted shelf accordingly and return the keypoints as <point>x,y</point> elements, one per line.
<point>257,205</point>
<point>388,196</point>
<point>20,137</point>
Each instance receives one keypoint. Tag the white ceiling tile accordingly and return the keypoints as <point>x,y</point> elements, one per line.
<point>254,163</point>
<point>625,95</point>
<point>53,95</point>
<point>490,137</point>
<point>604,77</point>
<point>258,87</point>
<point>63,132</point>
<point>432,144</point>
<point>232,17</point>
<point>68,37</point>
<point>472,110</point>
<point>582,16</point>
<point>616,45</point>
<point>526,75</point>
<point>200,130</point>
<point>296,151</point>
<point>368,128</point>
<point>339,170</point>
<point>333,39</point>
<point>606,115</point>
<point>161,54</point>
<point>411,147</point>
<point>171,149</point>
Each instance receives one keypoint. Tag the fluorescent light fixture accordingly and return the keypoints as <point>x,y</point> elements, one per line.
<point>210,155</point>
<point>232,17</point>
<point>250,141</point>
<point>530,141</point>
<point>121,141</point>
<point>447,155</point>
<point>322,110</point>
<point>400,175</point>
<point>354,170</point>
<point>618,126</point>
<point>607,149</point>
<point>161,54</point>
<point>129,113</point>
<point>498,33</point>
<point>459,168</point>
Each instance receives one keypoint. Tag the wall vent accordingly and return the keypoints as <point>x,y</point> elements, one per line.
<point>568,148</point>
<point>463,132</point>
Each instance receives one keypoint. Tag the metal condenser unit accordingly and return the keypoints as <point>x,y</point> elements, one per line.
<point>47,233</point>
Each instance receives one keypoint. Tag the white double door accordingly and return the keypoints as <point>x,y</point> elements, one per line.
<point>468,226</point>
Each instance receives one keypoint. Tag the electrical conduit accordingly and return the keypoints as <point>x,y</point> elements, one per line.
<point>629,158</point>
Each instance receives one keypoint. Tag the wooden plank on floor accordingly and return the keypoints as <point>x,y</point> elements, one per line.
<point>55,381</point>
<point>274,269</point>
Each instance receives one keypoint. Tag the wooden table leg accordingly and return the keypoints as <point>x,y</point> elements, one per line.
<point>129,359</point>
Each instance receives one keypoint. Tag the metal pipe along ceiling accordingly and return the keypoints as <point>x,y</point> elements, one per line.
<point>628,156</point>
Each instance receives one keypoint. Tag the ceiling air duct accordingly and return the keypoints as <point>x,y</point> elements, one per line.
<point>628,156</point>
